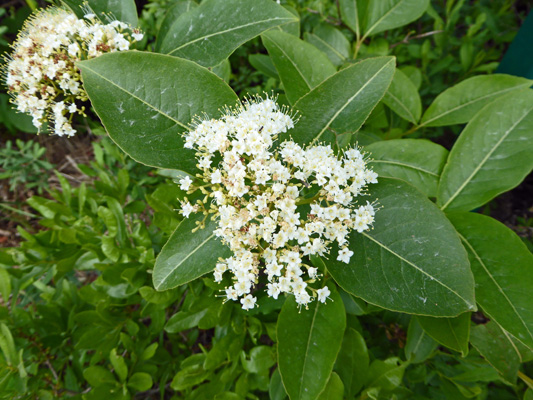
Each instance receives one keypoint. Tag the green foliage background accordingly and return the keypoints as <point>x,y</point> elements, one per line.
<point>80,316</point>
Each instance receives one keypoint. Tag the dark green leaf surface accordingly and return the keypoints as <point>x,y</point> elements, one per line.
<point>343,101</point>
<point>419,345</point>
<point>496,346</point>
<point>331,42</point>
<point>174,12</point>
<point>146,120</point>
<point>412,261</point>
<point>187,256</point>
<point>211,32</point>
<point>352,362</point>
<point>389,14</point>
<point>503,269</point>
<point>450,332</point>
<point>416,161</point>
<point>492,155</point>
<point>334,389</point>
<point>300,65</point>
<point>403,98</point>
<point>122,10</point>
<point>308,343</point>
<point>459,104</point>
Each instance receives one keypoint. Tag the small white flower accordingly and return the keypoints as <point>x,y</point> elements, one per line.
<point>344,255</point>
<point>187,209</point>
<point>248,302</point>
<point>137,36</point>
<point>185,183</point>
<point>323,294</point>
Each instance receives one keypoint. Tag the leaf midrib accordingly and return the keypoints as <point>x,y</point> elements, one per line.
<point>424,123</point>
<point>484,160</point>
<point>333,49</point>
<point>413,119</point>
<point>307,352</point>
<point>500,289</point>
<point>229,30</point>
<point>381,19</point>
<point>136,97</point>
<point>185,259</point>
<point>417,268</point>
<point>347,102</point>
<point>393,162</point>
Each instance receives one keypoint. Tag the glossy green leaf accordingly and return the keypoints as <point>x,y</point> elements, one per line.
<point>503,269</point>
<point>350,15</point>
<point>308,343</point>
<point>419,345</point>
<point>352,362</point>
<point>450,332</point>
<point>331,42</point>
<point>389,14</point>
<point>416,161</point>
<point>97,376</point>
<point>334,389</point>
<point>403,98</point>
<point>264,64</point>
<point>122,10</point>
<point>300,65</point>
<point>459,104</point>
<point>496,347</point>
<point>145,120</point>
<point>386,374</point>
<point>276,391</point>
<point>119,365</point>
<point>178,8</point>
<point>343,101</point>
<point>187,256</point>
<point>140,381</point>
<point>411,261</point>
<point>212,31</point>
<point>492,154</point>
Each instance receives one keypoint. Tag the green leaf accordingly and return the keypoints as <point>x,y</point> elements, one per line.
<point>264,64</point>
<point>389,14</point>
<point>178,8</point>
<point>145,120</point>
<point>503,269</point>
<point>261,359</point>
<point>497,348</point>
<point>352,362</point>
<point>300,65</point>
<point>308,343</point>
<point>417,161</point>
<point>276,391</point>
<point>458,104</point>
<point>334,389</point>
<point>211,32</point>
<point>189,376</point>
<point>403,98</point>
<point>349,15</point>
<point>332,42</point>
<point>187,256</point>
<point>419,345</point>
<point>140,381</point>
<point>122,10</point>
<point>450,332</point>
<point>98,376</point>
<point>411,261</point>
<point>119,365</point>
<point>386,375</point>
<point>492,154</point>
<point>5,284</point>
<point>343,101</point>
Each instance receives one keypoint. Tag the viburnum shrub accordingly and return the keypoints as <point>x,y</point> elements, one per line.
<point>310,207</point>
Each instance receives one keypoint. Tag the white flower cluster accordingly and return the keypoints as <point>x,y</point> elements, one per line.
<point>275,205</point>
<point>41,74</point>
